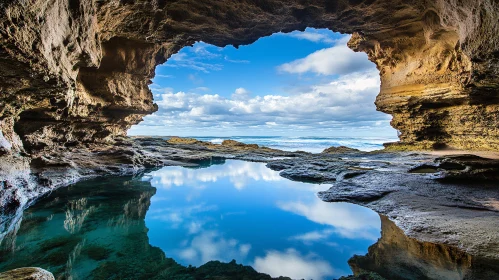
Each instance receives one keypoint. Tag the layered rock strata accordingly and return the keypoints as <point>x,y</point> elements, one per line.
<point>396,256</point>
<point>425,195</point>
<point>78,71</point>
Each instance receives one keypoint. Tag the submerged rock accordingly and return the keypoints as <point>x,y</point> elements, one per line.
<point>27,273</point>
<point>396,256</point>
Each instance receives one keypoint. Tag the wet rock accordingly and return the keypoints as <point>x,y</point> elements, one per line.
<point>422,204</point>
<point>348,192</point>
<point>467,167</point>
<point>340,150</point>
<point>307,176</point>
<point>80,73</point>
<point>396,256</point>
<point>463,214</point>
<point>27,273</point>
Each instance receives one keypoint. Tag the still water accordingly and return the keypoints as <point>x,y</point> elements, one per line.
<point>171,220</point>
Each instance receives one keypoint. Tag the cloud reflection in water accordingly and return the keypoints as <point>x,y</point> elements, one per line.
<point>247,212</point>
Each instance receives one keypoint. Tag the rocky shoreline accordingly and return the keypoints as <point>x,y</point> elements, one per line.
<point>450,200</point>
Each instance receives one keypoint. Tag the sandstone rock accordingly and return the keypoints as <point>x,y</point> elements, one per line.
<point>396,256</point>
<point>27,273</point>
<point>233,143</point>
<point>340,149</point>
<point>180,140</point>
<point>79,71</point>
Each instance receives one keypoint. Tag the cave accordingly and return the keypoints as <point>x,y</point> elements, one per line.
<point>84,68</point>
<point>283,85</point>
<point>75,77</point>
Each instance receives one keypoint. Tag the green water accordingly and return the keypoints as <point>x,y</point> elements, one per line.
<point>178,223</point>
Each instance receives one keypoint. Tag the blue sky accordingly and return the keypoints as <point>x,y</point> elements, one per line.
<point>296,84</point>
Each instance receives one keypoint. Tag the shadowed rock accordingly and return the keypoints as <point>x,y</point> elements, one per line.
<point>27,273</point>
<point>78,72</point>
<point>396,256</point>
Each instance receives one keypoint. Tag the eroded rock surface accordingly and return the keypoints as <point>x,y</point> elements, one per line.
<point>74,72</point>
<point>22,182</point>
<point>27,273</point>
<point>104,236</point>
<point>396,256</point>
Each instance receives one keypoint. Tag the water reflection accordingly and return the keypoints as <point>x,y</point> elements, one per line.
<point>245,211</point>
<point>97,230</point>
<point>396,256</point>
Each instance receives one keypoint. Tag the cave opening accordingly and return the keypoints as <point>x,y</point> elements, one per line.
<point>298,84</point>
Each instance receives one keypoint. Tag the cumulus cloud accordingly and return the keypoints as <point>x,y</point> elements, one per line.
<point>177,216</point>
<point>292,264</point>
<point>339,99</point>
<point>344,102</point>
<point>337,60</point>
<point>347,220</point>
<point>239,173</point>
<point>211,245</point>
<point>313,35</point>
<point>240,94</point>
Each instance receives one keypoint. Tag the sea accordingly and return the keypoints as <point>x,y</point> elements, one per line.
<point>306,143</point>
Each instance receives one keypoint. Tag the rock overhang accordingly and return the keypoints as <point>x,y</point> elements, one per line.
<point>78,71</point>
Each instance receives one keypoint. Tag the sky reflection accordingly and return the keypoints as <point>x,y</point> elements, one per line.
<point>247,212</point>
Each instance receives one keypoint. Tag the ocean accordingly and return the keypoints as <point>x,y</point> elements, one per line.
<point>308,143</point>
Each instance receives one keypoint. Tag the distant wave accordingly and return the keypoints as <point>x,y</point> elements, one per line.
<point>306,143</point>
<point>214,141</point>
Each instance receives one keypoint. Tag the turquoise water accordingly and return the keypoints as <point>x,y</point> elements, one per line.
<point>307,143</point>
<point>245,211</point>
<point>167,222</point>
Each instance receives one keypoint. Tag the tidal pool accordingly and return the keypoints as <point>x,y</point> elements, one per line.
<point>169,221</point>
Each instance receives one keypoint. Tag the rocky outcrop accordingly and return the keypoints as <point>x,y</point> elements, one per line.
<point>78,71</point>
<point>340,150</point>
<point>432,205</point>
<point>27,273</point>
<point>396,256</point>
<point>448,200</point>
<point>22,182</point>
<point>104,237</point>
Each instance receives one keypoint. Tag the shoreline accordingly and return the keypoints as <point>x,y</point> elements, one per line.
<point>430,206</point>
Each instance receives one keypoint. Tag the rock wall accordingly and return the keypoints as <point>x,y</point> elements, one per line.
<point>396,256</point>
<point>77,71</point>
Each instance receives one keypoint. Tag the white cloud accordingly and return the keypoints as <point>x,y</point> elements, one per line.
<point>292,264</point>
<point>240,173</point>
<point>241,91</point>
<point>313,35</point>
<point>164,76</point>
<point>240,94</point>
<point>195,58</point>
<point>235,60</point>
<point>313,236</point>
<point>201,49</point>
<point>344,102</point>
<point>339,105</point>
<point>348,220</point>
<point>202,89</point>
<point>211,245</point>
<point>337,60</point>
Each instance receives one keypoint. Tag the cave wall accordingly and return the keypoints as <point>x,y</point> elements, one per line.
<point>76,71</point>
<point>398,257</point>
